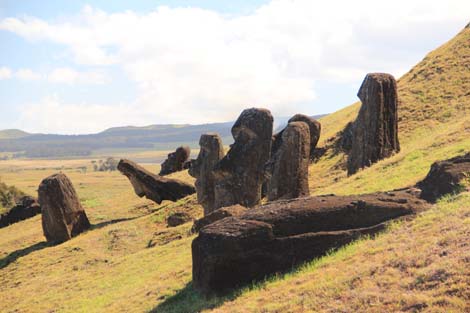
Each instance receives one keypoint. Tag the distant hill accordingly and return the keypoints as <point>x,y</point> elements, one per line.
<point>12,134</point>
<point>152,137</point>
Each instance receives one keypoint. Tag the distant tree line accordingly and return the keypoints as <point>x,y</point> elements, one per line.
<point>110,164</point>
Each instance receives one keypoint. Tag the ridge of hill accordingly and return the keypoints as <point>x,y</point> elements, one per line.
<point>131,262</point>
<point>161,137</point>
<point>13,134</point>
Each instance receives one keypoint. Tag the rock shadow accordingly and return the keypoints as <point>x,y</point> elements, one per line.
<point>15,255</point>
<point>189,300</point>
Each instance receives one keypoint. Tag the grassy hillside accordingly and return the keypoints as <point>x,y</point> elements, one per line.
<point>130,261</point>
<point>434,102</point>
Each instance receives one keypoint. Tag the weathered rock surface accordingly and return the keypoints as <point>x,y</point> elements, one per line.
<point>314,127</point>
<point>279,235</point>
<point>178,218</point>
<point>288,167</point>
<point>375,131</point>
<point>154,187</point>
<point>240,174</point>
<point>445,177</point>
<point>25,208</point>
<point>234,210</point>
<point>175,161</point>
<point>210,153</point>
<point>63,217</point>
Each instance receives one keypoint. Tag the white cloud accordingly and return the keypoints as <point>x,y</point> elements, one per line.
<point>27,74</point>
<point>195,65</point>
<point>51,115</point>
<point>70,76</point>
<point>5,73</point>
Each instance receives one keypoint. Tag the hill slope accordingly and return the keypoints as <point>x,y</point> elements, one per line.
<point>130,262</point>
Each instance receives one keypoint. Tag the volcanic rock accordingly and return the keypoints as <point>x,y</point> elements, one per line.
<point>63,217</point>
<point>314,127</point>
<point>375,131</point>
<point>175,161</point>
<point>240,174</point>
<point>277,236</point>
<point>445,177</point>
<point>154,187</point>
<point>210,153</point>
<point>288,167</point>
<point>234,210</point>
<point>25,208</point>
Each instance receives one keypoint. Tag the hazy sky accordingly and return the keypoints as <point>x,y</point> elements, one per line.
<point>83,66</point>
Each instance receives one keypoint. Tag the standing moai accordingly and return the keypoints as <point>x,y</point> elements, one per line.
<point>63,217</point>
<point>375,131</point>
<point>288,167</point>
<point>210,153</point>
<point>175,161</point>
<point>240,174</point>
<point>314,127</point>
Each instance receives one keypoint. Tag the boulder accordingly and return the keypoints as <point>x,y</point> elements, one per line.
<point>175,161</point>
<point>240,174</point>
<point>272,238</point>
<point>375,131</point>
<point>178,218</point>
<point>288,167</point>
<point>154,187</point>
<point>63,217</point>
<point>314,127</point>
<point>25,208</point>
<point>210,153</point>
<point>445,177</point>
<point>234,210</point>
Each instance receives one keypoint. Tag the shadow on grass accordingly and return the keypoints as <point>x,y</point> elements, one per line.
<point>189,300</point>
<point>12,257</point>
<point>118,220</point>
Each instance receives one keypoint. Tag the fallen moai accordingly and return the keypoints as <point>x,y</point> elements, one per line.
<point>154,187</point>
<point>279,235</point>
<point>63,217</point>
<point>375,131</point>
<point>445,177</point>
<point>210,153</point>
<point>234,210</point>
<point>287,170</point>
<point>25,208</point>
<point>236,250</point>
<point>240,173</point>
<point>176,161</point>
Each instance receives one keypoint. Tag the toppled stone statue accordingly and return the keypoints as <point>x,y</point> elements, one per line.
<point>375,131</point>
<point>288,167</point>
<point>25,208</point>
<point>446,177</point>
<point>210,154</point>
<point>63,217</point>
<point>154,187</point>
<point>240,174</point>
<point>234,210</point>
<point>176,161</point>
<point>279,235</point>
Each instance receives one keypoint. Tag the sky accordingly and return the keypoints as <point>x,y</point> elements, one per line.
<point>75,67</point>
